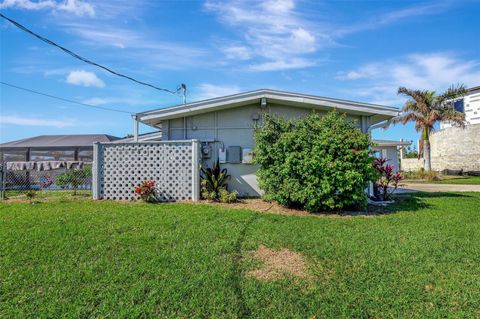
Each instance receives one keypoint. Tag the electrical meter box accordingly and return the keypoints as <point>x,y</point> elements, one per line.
<point>206,150</point>
<point>234,154</point>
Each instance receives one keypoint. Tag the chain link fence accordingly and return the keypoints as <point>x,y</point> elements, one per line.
<point>17,181</point>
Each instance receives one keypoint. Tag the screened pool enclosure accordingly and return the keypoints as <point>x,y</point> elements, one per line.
<point>49,162</point>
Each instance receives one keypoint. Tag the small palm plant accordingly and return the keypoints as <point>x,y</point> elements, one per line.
<point>426,108</point>
<point>214,184</point>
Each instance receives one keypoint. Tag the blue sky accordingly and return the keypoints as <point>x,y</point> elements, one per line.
<point>344,49</point>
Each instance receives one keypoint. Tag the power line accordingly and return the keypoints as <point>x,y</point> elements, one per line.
<point>63,99</point>
<point>21,27</point>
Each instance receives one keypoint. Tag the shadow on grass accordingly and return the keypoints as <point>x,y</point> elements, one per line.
<point>416,201</point>
<point>236,272</point>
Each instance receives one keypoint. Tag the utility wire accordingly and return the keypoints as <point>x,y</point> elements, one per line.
<point>63,99</point>
<point>21,27</point>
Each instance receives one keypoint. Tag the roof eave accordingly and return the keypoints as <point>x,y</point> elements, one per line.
<point>152,117</point>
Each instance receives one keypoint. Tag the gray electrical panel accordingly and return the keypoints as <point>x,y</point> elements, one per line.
<point>234,154</point>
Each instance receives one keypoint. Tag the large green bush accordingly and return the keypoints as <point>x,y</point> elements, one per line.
<point>317,162</point>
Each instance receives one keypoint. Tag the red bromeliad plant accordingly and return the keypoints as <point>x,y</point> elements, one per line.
<point>388,181</point>
<point>146,191</point>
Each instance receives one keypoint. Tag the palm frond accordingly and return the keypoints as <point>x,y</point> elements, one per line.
<point>453,117</point>
<point>452,93</point>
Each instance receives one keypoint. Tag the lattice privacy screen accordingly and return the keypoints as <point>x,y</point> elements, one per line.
<point>121,167</point>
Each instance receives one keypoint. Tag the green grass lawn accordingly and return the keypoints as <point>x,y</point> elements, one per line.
<point>77,258</point>
<point>465,180</point>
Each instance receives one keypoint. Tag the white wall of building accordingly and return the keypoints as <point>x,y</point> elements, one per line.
<point>471,104</point>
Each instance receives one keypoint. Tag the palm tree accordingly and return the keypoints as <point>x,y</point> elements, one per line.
<point>426,108</point>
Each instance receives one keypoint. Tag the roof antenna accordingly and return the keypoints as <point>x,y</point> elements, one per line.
<point>184,92</point>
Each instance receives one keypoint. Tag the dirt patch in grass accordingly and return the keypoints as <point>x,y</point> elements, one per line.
<point>277,264</point>
<point>259,205</point>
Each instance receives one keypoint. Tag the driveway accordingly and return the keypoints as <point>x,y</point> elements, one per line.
<point>433,188</point>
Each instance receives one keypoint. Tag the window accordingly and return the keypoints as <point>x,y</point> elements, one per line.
<point>458,105</point>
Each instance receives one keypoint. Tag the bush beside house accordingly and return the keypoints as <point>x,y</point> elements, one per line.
<point>316,163</point>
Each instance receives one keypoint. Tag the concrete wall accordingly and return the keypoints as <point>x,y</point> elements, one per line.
<point>451,148</point>
<point>456,148</point>
<point>232,127</point>
<point>411,164</point>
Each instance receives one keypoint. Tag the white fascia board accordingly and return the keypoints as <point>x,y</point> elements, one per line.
<point>380,143</point>
<point>292,99</point>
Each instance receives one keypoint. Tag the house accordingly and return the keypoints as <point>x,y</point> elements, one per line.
<point>52,147</point>
<point>391,150</point>
<point>224,126</point>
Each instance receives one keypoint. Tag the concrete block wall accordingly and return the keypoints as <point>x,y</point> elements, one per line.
<point>456,148</point>
<point>451,148</point>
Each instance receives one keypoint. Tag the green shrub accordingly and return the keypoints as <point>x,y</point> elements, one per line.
<point>423,174</point>
<point>214,184</point>
<point>227,197</point>
<point>317,163</point>
<point>31,194</point>
<point>73,178</point>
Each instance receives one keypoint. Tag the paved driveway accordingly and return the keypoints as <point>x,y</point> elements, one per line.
<point>433,188</point>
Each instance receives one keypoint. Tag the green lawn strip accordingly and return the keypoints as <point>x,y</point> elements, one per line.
<point>78,258</point>
<point>465,180</point>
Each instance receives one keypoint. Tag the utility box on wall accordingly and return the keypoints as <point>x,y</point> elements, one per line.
<point>234,154</point>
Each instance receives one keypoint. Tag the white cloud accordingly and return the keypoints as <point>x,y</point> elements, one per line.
<point>28,5</point>
<point>34,121</point>
<point>237,52</point>
<point>138,45</point>
<point>296,63</point>
<point>76,7</point>
<point>384,18</point>
<point>207,91</point>
<point>84,78</point>
<point>272,31</point>
<point>131,101</point>
<point>79,8</point>
<point>278,35</point>
<point>435,71</point>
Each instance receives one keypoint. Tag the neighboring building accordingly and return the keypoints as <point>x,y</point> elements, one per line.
<point>391,150</point>
<point>225,125</point>
<point>470,105</point>
<point>52,148</point>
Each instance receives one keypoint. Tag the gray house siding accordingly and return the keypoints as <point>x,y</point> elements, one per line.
<point>234,127</point>
<point>390,153</point>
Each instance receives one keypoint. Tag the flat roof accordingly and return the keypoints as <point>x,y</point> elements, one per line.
<point>80,140</point>
<point>153,117</point>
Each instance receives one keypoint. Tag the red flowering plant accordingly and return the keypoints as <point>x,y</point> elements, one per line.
<point>146,191</point>
<point>388,181</point>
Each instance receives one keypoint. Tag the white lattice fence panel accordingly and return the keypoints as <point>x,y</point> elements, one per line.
<point>124,166</point>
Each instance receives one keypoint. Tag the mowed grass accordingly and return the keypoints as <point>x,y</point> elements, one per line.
<point>78,258</point>
<point>465,180</point>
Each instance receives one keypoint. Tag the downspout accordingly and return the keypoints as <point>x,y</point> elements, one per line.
<point>184,128</point>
